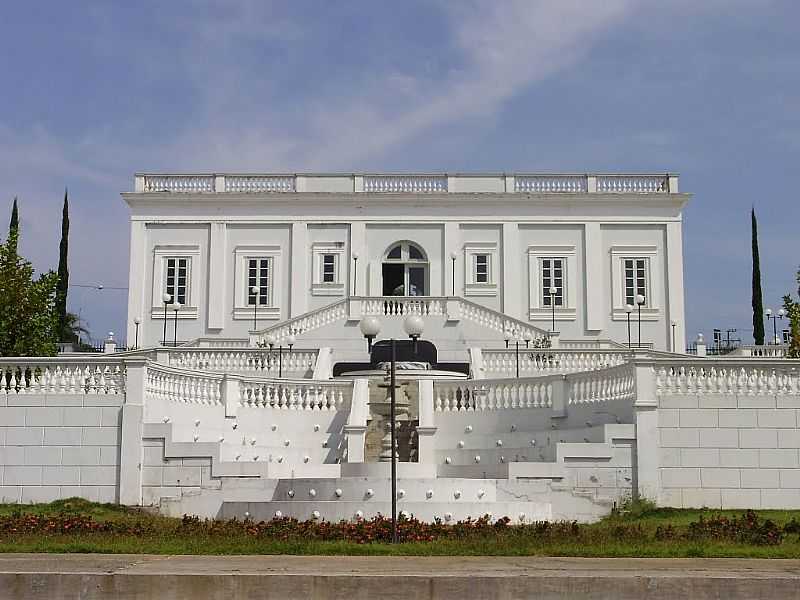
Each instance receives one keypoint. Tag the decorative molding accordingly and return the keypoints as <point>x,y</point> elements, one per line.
<point>472,287</point>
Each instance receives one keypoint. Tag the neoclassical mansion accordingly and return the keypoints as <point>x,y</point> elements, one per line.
<point>546,376</point>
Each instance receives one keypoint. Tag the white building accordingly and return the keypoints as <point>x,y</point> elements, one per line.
<point>515,401</point>
<point>501,241</point>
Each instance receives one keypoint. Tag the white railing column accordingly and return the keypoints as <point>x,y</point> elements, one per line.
<point>130,465</point>
<point>426,430</point>
<point>323,368</point>
<point>356,428</point>
<point>476,365</point>
<point>560,398</point>
<point>645,409</point>
<point>231,392</point>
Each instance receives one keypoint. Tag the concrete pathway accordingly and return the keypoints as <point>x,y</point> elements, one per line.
<point>52,576</point>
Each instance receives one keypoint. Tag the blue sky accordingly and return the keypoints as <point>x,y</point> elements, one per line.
<point>94,91</point>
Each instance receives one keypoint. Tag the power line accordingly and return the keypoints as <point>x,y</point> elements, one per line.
<point>97,286</point>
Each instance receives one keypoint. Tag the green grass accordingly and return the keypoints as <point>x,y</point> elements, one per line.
<point>628,533</point>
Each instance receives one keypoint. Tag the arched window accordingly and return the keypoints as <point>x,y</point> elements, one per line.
<point>405,270</point>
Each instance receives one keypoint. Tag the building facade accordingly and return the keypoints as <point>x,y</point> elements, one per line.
<point>244,252</point>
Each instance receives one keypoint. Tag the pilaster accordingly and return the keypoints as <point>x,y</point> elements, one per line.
<point>647,440</point>
<point>137,284</point>
<point>594,296</point>
<point>511,269</point>
<point>358,268</point>
<point>217,285</point>
<point>298,277</point>
<point>674,290</point>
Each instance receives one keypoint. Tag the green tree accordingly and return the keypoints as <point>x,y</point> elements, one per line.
<point>758,303</point>
<point>13,226</point>
<point>793,312</point>
<point>65,332</point>
<point>28,319</point>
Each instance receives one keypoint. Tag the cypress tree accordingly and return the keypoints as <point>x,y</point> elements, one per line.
<point>758,305</point>
<point>65,333</point>
<point>13,227</point>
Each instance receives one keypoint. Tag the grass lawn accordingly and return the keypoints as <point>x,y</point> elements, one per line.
<point>641,530</point>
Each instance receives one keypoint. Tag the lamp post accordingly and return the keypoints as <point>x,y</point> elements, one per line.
<point>453,257</point>
<point>166,299</point>
<point>526,338</point>
<point>176,306</point>
<point>254,292</point>
<point>355,273</point>
<point>774,319</point>
<point>136,321</point>
<point>628,311</point>
<point>553,291</point>
<point>370,327</point>
<point>290,340</point>
<point>674,325</point>
<point>640,303</point>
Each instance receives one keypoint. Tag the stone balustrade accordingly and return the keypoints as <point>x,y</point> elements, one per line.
<point>182,386</point>
<point>761,351</point>
<point>281,394</point>
<point>726,376</point>
<point>297,363</point>
<point>88,374</point>
<point>423,306</point>
<point>494,394</point>
<point>603,385</point>
<point>548,361</point>
<point>410,183</point>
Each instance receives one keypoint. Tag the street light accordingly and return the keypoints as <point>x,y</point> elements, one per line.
<point>628,311</point>
<point>166,299</point>
<point>553,291</point>
<point>254,292</point>
<point>674,325</point>
<point>453,256</point>
<point>355,273</point>
<point>774,319</point>
<point>176,307</point>
<point>526,338</point>
<point>136,321</point>
<point>639,303</point>
<point>370,328</point>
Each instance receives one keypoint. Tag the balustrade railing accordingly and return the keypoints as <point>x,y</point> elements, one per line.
<point>502,323</point>
<point>182,386</point>
<point>295,395</point>
<point>416,184</point>
<point>494,394</point>
<point>605,385</point>
<point>538,184</point>
<point>768,351</point>
<point>749,376</point>
<point>297,363</point>
<point>58,375</point>
<point>404,305</point>
<point>632,184</point>
<point>253,184</point>
<point>546,361</point>
<point>410,183</point>
<point>307,322</point>
<point>179,183</point>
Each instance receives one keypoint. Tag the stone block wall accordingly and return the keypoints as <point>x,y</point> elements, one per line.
<point>731,451</point>
<point>59,446</point>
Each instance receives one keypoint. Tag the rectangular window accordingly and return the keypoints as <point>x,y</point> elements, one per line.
<point>177,277</point>
<point>635,280</point>
<point>328,268</point>
<point>481,268</point>
<point>553,276</point>
<point>259,272</point>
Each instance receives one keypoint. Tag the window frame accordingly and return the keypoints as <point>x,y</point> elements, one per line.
<point>242,309</point>
<point>545,288</point>
<point>538,309</point>
<point>472,284</point>
<point>162,253</point>
<point>320,287</point>
<point>651,309</point>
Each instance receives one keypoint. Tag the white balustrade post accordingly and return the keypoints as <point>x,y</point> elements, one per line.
<point>426,430</point>
<point>591,184</point>
<point>477,367</point>
<point>138,183</point>
<point>219,183</point>
<point>645,409</point>
<point>110,344</point>
<point>560,397</point>
<point>323,368</point>
<point>354,309</point>
<point>231,392</point>
<point>130,466</point>
<point>453,309</point>
<point>700,343</point>
<point>356,428</point>
<point>673,184</point>
<point>555,339</point>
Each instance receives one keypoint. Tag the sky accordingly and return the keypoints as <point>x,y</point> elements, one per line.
<point>95,91</point>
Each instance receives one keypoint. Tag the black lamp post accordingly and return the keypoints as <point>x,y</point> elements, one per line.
<point>370,327</point>
<point>628,311</point>
<point>526,337</point>
<point>553,291</point>
<point>774,319</point>
<point>674,325</point>
<point>355,273</point>
<point>136,321</point>
<point>453,257</point>
<point>166,298</point>
<point>254,292</point>
<point>640,303</point>
<point>290,340</point>
<point>176,307</point>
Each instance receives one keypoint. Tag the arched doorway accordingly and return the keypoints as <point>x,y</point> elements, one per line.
<point>405,270</point>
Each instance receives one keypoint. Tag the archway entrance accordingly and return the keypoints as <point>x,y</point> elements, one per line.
<point>405,270</point>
